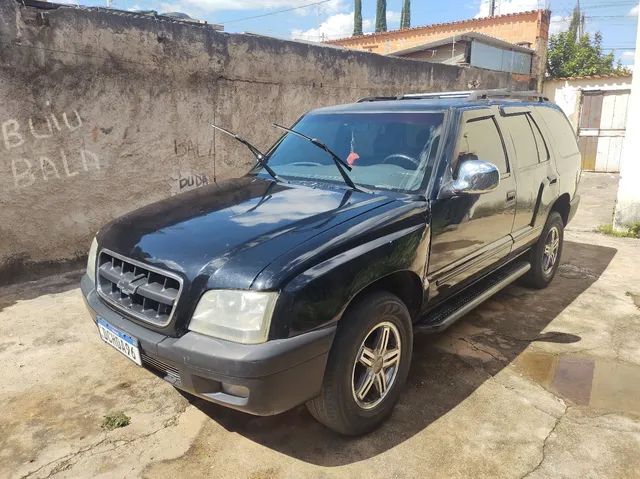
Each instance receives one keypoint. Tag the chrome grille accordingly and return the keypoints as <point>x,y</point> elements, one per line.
<point>142,291</point>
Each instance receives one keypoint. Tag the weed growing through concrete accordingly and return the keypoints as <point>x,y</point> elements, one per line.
<point>632,230</point>
<point>115,420</point>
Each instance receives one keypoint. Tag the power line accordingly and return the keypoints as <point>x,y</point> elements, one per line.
<point>273,13</point>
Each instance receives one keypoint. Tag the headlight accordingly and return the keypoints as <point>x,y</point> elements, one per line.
<point>239,316</point>
<point>91,260</point>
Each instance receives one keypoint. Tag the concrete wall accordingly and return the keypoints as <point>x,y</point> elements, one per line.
<point>102,112</point>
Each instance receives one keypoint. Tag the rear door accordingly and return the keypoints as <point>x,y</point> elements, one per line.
<point>536,179</point>
<point>470,233</point>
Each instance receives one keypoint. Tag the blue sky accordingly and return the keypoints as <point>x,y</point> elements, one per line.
<point>328,19</point>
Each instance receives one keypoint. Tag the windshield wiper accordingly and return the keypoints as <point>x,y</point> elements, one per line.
<point>340,164</point>
<point>256,153</point>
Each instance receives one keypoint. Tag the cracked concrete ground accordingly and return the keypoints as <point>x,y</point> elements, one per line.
<point>530,384</point>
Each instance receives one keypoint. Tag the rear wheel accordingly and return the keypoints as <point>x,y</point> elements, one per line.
<point>367,366</point>
<point>545,255</point>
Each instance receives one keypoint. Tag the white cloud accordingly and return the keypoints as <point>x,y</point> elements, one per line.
<point>559,24</point>
<point>211,5</point>
<point>509,6</point>
<point>634,11</point>
<point>628,54</point>
<point>393,20</point>
<point>336,26</point>
<point>340,25</point>
<point>329,8</point>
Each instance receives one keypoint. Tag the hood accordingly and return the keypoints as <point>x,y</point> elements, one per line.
<point>224,234</point>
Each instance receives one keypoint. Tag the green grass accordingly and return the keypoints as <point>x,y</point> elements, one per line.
<point>632,230</point>
<point>115,420</point>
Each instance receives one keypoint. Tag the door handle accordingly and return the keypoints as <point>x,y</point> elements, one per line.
<point>552,179</point>
<point>511,196</point>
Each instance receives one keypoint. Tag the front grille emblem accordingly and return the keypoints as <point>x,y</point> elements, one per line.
<point>126,287</point>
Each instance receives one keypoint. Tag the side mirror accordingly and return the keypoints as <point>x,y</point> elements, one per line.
<point>474,177</point>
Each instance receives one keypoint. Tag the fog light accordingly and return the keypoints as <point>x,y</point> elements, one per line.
<point>234,390</point>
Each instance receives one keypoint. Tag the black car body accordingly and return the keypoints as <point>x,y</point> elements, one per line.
<point>320,246</point>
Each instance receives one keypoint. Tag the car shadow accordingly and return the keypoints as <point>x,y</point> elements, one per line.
<point>446,369</point>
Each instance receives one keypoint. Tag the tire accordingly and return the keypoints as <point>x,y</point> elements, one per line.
<point>541,274</point>
<point>358,336</point>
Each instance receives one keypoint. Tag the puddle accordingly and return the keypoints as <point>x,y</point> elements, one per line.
<point>586,381</point>
<point>572,271</point>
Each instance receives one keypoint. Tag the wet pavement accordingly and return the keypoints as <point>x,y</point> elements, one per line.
<point>530,384</point>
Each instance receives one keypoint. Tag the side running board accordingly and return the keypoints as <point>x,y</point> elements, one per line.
<point>453,309</point>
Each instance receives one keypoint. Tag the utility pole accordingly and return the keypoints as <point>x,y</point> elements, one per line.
<point>492,8</point>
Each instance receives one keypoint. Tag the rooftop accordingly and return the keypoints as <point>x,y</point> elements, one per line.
<point>469,21</point>
<point>594,77</point>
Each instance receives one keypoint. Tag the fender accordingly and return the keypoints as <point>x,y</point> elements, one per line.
<point>347,262</point>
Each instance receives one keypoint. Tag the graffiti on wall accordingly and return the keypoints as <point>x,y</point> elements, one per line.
<point>189,149</point>
<point>20,137</point>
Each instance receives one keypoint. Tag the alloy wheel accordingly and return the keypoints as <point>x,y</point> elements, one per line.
<point>376,365</point>
<point>551,248</point>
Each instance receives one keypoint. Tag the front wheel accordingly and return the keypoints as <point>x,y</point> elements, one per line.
<point>367,366</point>
<point>545,254</point>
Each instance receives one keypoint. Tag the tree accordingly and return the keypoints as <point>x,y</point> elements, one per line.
<point>405,16</point>
<point>357,18</point>
<point>570,56</point>
<point>381,16</point>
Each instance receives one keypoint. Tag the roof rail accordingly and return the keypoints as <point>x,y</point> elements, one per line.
<point>504,93</point>
<point>468,95</point>
<point>378,98</point>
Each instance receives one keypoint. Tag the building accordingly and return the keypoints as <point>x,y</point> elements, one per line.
<point>475,50</point>
<point>628,204</point>
<point>597,108</point>
<point>525,29</point>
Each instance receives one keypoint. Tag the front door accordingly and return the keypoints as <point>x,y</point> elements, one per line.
<point>471,232</point>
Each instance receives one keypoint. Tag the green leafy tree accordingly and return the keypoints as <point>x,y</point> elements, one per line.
<point>571,56</point>
<point>381,16</point>
<point>357,18</point>
<point>405,16</point>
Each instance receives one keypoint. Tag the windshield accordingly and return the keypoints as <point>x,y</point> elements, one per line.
<point>390,151</point>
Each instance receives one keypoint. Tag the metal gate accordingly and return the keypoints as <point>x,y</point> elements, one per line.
<point>603,115</point>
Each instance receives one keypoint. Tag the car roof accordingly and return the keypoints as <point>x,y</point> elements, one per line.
<point>426,105</point>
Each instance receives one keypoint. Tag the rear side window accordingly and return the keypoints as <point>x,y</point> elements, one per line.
<point>543,149</point>
<point>523,140</point>
<point>480,137</point>
<point>561,131</point>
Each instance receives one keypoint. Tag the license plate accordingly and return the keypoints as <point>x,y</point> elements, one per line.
<point>120,340</point>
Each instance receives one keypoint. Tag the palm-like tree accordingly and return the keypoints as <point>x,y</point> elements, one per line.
<point>381,16</point>
<point>357,18</point>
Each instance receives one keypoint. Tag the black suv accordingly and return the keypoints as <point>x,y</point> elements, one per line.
<point>304,280</point>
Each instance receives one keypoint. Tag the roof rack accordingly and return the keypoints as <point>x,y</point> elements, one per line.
<point>469,95</point>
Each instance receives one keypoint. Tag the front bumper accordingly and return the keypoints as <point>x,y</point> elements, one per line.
<point>261,379</point>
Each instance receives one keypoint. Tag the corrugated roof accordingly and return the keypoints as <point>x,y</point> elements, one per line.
<point>467,36</point>
<point>435,25</point>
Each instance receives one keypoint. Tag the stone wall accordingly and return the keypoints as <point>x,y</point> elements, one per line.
<point>102,112</point>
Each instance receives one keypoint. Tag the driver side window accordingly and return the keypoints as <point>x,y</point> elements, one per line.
<point>480,138</point>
